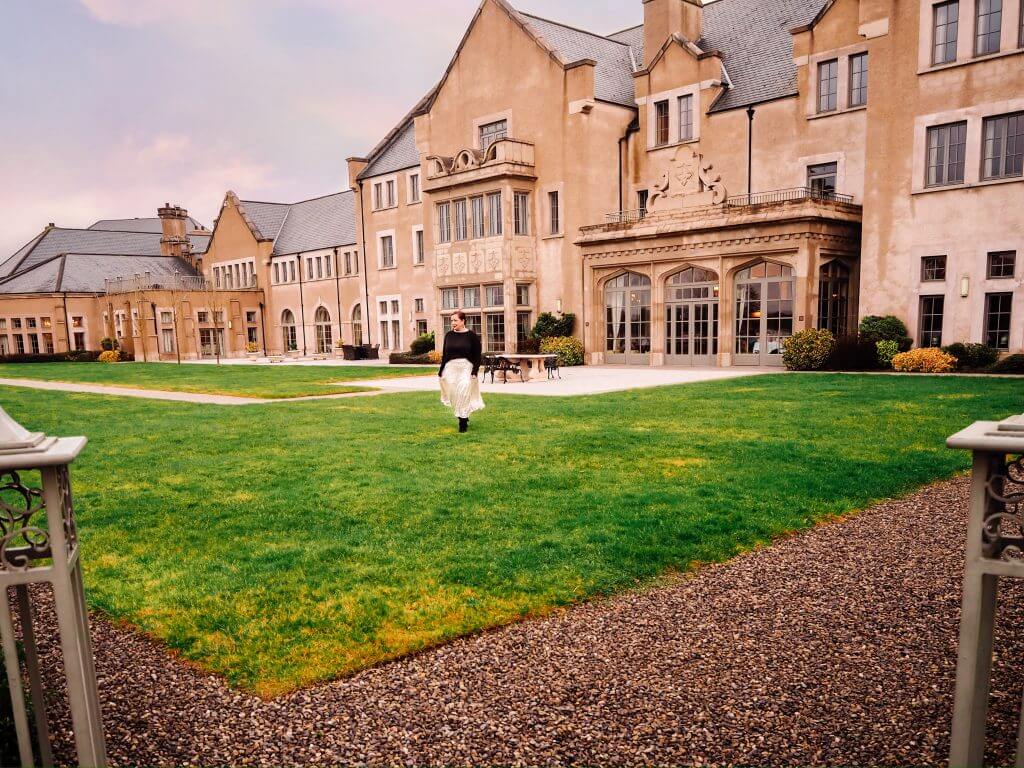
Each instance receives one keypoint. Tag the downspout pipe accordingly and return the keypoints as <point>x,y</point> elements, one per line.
<point>67,323</point>
<point>366,285</point>
<point>302,304</point>
<point>263,327</point>
<point>337,288</point>
<point>633,127</point>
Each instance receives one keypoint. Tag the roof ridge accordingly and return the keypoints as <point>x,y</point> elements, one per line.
<point>625,29</point>
<point>570,26</point>
<point>19,273</point>
<point>322,197</point>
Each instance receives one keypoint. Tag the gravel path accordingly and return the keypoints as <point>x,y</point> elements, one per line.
<point>835,647</point>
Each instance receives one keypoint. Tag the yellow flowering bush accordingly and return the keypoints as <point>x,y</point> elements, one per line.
<point>110,356</point>
<point>568,348</point>
<point>930,360</point>
<point>434,356</point>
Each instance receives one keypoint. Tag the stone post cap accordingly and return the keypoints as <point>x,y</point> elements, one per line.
<point>21,449</point>
<point>1006,436</point>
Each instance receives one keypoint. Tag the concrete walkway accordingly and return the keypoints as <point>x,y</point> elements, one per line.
<point>588,380</point>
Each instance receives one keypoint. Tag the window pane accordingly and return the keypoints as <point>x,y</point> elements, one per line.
<point>492,132</point>
<point>987,26</point>
<point>997,320</point>
<point>556,225</point>
<point>522,213</point>
<point>494,221</point>
<point>821,179</point>
<point>828,76</point>
<point>444,227</point>
<point>461,232</point>
<point>495,341</point>
<point>858,80</point>
<point>945,154</point>
<point>471,297</point>
<point>931,321</point>
<point>661,123</point>
<point>478,216</point>
<point>495,296</point>
<point>685,118</point>
<point>944,32</point>
<point>1003,146</point>
<point>523,295</point>
<point>1001,264</point>
<point>933,268</point>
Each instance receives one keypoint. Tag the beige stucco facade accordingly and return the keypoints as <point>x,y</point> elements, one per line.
<point>518,191</point>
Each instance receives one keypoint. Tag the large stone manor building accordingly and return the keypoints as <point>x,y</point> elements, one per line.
<point>694,188</point>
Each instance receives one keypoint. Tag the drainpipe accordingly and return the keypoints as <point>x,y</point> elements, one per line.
<point>366,285</point>
<point>750,152</point>
<point>337,288</point>
<point>263,328</point>
<point>630,130</point>
<point>67,323</point>
<point>302,305</point>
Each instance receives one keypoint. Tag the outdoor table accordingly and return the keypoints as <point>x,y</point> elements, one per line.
<point>532,366</point>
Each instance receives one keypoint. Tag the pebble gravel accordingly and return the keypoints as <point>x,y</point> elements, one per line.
<point>836,646</point>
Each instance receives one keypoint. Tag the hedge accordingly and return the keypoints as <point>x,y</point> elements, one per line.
<point>56,357</point>
<point>407,358</point>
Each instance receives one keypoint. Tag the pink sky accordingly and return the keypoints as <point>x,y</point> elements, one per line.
<point>113,107</point>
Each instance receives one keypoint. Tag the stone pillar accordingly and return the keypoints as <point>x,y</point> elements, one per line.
<point>994,550</point>
<point>39,544</point>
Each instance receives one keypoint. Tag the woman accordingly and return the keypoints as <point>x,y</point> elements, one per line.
<point>460,362</point>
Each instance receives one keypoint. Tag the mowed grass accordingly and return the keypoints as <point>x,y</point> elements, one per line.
<point>262,381</point>
<point>299,542</point>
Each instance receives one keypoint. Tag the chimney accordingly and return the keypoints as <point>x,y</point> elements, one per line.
<point>175,242</point>
<point>663,18</point>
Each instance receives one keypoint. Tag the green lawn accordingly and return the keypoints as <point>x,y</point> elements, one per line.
<point>268,381</point>
<point>302,541</point>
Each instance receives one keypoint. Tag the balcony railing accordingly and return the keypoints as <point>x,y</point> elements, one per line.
<point>174,282</point>
<point>736,201</point>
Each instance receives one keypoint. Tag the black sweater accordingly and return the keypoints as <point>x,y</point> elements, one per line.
<point>461,346</point>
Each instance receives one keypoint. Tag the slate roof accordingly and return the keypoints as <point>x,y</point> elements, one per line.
<point>323,222</point>
<point>397,153</point>
<point>58,241</point>
<point>139,225</point>
<point>756,46</point>
<point>613,74</point>
<point>85,273</point>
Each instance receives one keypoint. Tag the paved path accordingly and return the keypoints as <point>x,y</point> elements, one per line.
<point>587,380</point>
<point>833,647</point>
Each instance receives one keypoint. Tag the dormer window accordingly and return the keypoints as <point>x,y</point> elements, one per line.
<point>492,132</point>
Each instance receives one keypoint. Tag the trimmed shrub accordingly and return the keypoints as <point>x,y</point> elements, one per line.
<point>110,356</point>
<point>972,356</point>
<point>107,343</point>
<point>808,350</point>
<point>568,348</point>
<point>875,328</point>
<point>405,358</point>
<point>930,360</point>
<point>421,345</point>
<point>56,357</point>
<point>549,325</point>
<point>1009,364</point>
<point>887,350</point>
<point>853,353</point>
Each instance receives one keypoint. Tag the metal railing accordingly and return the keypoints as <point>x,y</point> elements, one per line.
<point>174,282</point>
<point>619,218</point>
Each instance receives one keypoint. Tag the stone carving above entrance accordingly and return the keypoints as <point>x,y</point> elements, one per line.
<point>689,182</point>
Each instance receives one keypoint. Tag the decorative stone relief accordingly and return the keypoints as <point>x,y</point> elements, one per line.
<point>493,261</point>
<point>524,261</point>
<point>476,261</point>
<point>689,182</point>
<point>459,264</point>
<point>444,265</point>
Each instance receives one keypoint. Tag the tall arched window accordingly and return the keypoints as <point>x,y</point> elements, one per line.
<point>627,304</point>
<point>288,331</point>
<point>834,297</point>
<point>324,339</point>
<point>691,317</point>
<point>357,324</point>
<point>764,313</point>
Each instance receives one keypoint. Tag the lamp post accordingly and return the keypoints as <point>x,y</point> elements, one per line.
<point>39,543</point>
<point>995,550</point>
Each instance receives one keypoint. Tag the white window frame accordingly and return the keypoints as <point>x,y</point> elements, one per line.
<point>419,246</point>
<point>389,233</point>
<point>390,317</point>
<point>413,184</point>
<point>672,97</point>
<point>379,193</point>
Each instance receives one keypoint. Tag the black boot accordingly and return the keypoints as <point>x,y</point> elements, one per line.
<point>463,425</point>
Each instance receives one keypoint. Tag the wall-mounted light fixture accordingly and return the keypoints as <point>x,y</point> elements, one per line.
<point>965,286</point>
<point>559,305</point>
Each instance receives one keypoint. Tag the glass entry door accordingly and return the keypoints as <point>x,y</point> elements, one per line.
<point>628,319</point>
<point>764,313</point>
<point>691,317</point>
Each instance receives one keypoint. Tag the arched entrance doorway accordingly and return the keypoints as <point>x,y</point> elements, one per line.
<point>357,324</point>
<point>691,317</point>
<point>322,319</point>
<point>764,313</point>
<point>627,302</point>
<point>288,336</point>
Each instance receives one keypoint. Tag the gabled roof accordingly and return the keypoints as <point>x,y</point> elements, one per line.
<point>397,154</point>
<point>613,73</point>
<point>86,273</point>
<point>57,241</point>
<point>140,225</point>
<point>309,225</point>
<point>756,45</point>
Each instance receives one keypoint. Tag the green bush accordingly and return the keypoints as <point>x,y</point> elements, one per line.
<point>528,346</point>
<point>107,344</point>
<point>808,350</point>
<point>568,348</point>
<point>423,344</point>
<point>55,357</point>
<point>972,356</point>
<point>887,350</point>
<point>875,328</point>
<point>549,325</point>
<point>1009,364</point>
<point>406,358</point>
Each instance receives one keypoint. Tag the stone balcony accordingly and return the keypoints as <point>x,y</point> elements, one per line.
<point>798,203</point>
<point>168,282</point>
<point>505,158</point>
